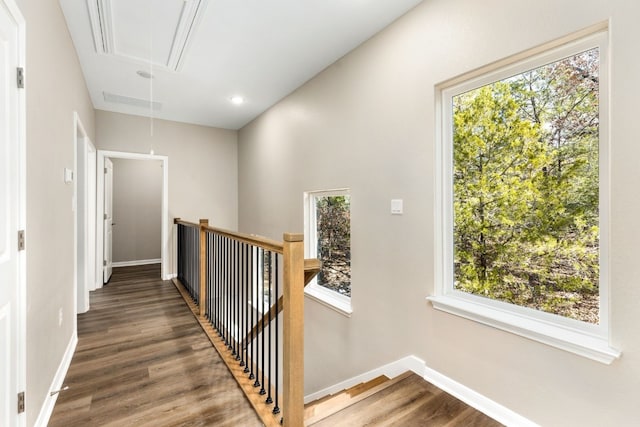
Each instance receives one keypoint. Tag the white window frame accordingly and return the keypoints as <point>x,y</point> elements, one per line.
<point>582,338</point>
<point>331,299</point>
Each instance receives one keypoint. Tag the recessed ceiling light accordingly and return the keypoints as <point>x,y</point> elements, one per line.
<point>237,100</point>
<point>144,74</point>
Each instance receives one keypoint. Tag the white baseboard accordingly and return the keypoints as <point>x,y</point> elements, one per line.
<point>58,380</point>
<point>411,363</point>
<point>391,370</point>
<point>472,398</point>
<point>138,262</point>
<point>170,277</point>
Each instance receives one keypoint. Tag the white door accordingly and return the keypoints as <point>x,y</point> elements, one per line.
<point>11,205</point>
<point>108,219</point>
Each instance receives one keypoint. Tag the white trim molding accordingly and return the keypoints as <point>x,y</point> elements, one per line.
<point>412,363</point>
<point>138,262</point>
<point>476,400</point>
<point>328,298</point>
<point>553,333</point>
<point>58,380</point>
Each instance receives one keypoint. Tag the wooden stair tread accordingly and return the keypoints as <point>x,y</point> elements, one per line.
<point>408,402</point>
<point>352,391</point>
<point>330,405</point>
<point>362,387</point>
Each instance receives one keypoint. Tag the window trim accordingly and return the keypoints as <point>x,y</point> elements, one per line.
<point>331,299</point>
<point>582,338</point>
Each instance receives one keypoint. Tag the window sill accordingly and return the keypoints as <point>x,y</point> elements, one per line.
<point>565,338</point>
<point>330,299</point>
<point>259,308</point>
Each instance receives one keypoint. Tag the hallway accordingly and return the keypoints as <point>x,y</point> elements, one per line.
<point>143,360</point>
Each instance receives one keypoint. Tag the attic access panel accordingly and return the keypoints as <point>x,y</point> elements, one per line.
<point>145,30</point>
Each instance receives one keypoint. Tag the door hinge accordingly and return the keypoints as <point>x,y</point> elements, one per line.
<point>104,263</point>
<point>105,170</point>
<point>20,78</point>
<point>21,402</point>
<point>105,216</point>
<point>21,240</point>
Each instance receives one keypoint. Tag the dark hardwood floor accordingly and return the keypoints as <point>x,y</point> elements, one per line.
<point>143,360</point>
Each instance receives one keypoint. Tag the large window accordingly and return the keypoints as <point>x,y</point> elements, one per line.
<point>328,238</point>
<point>524,173</point>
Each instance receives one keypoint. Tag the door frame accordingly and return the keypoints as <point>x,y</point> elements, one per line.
<point>165,231</point>
<point>21,303</point>
<point>107,221</point>
<point>83,283</point>
<point>92,162</point>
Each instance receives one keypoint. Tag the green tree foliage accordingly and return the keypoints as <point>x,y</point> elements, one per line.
<point>526,189</point>
<point>333,218</point>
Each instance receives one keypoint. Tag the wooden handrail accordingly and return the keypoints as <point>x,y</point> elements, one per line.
<point>263,242</point>
<point>312,267</point>
<point>187,223</point>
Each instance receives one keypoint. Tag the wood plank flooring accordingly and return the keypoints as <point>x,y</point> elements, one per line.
<point>143,360</point>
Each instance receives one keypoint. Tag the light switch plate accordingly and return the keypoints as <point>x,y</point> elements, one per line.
<point>396,207</point>
<point>68,175</point>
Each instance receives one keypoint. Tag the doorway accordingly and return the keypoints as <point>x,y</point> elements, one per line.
<point>165,232</point>
<point>137,201</point>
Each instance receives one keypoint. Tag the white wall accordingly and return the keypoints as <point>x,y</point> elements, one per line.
<point>55,88</point>
<point>137,204</point>
<point>203,164</point>
<point>368,123</point>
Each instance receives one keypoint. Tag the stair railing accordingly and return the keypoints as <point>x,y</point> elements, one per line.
<point>189,258</point>
<point>248,295</point>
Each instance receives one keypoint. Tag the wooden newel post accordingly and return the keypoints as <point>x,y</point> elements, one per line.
<point>203,266</point>
<point>293,349</point>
